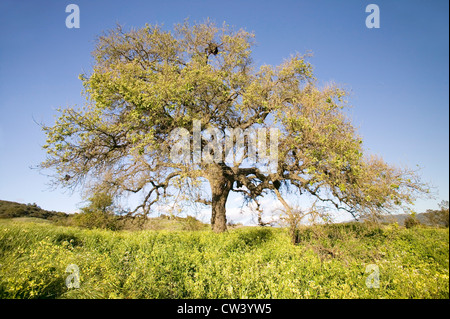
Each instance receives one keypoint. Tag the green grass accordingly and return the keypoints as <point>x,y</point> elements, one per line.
<point>249,262</point>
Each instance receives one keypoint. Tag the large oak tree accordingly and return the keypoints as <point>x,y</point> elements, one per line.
<point>147,82</point>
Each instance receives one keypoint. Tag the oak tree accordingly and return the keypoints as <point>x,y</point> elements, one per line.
<point>148,82</point>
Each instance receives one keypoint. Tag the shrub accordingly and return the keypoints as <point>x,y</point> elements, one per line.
<point>411,221</point>
<point>439,217</point>
<point>95,219</point>
<point>192,223</point>
<point>99,214</point>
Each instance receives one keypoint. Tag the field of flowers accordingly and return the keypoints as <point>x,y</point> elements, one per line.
<point>355,260</point>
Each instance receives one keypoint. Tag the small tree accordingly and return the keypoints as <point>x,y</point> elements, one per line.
<point>98,214</point>
<point>293,217</point>
<point>412,220</point>
<point>440,216</point>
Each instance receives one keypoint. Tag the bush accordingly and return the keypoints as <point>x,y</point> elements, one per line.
<point>192,223</point>
<point>93,219</point>
<point>411,221</point>
<point>439,217</point>
<point>99,214</point>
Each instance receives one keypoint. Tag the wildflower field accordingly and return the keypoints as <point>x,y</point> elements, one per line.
<point>331,261</point>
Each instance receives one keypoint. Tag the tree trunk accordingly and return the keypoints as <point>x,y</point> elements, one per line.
<point>220,188</point>
<point>218,214</point>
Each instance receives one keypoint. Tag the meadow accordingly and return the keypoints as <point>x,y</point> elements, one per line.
<point>330,261</point>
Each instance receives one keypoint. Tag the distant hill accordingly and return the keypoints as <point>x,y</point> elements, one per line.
<point>10,209</point>
<point>400,219</point>
<point>13,209</point>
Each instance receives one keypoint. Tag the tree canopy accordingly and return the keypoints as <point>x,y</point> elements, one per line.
<point>148,83</point>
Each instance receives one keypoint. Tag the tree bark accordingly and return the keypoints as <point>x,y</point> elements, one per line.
<point>220,188</point>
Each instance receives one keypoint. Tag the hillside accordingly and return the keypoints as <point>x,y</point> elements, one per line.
<point>400,219</point>
<point>10,209</point>
<point>32,212</point>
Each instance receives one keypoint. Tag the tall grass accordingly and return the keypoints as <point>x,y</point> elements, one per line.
<point>329,262</point>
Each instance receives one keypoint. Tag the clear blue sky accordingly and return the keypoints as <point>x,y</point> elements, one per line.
<point>398,74</point>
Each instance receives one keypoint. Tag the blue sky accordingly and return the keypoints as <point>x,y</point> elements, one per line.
<point>398,74</point>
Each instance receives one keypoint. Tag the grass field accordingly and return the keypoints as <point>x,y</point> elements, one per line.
<point>249,262</point>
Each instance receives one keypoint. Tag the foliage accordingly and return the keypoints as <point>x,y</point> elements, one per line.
<point>294,217</point>
<point>148,82</point>
<point>439,217</point>
<point>412,220</point>
<point>98,214</point>
<point>249,262</point>
<point>192,223</point>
